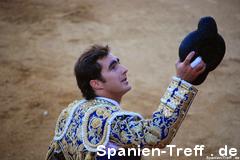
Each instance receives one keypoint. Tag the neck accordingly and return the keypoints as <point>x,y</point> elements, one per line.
<point>116,98</point>
<point>115,103</point>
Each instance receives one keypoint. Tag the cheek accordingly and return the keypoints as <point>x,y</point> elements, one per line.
<point>115,81</point>
<point>109,79</point>
<point>113,77</point>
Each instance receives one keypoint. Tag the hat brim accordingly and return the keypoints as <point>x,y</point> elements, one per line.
<point>211,49</point>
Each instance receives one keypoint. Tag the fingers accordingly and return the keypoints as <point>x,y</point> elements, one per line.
<point>200,67</point>
<point>188,58</point>
<point>177,63</point>
<point>202,70</point>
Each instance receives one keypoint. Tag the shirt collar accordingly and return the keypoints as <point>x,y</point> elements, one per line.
<point>109,100</point>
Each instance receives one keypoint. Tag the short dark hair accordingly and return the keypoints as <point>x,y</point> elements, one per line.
<point>87,68</point>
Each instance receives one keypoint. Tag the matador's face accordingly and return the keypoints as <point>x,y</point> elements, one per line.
<point>115,76</point>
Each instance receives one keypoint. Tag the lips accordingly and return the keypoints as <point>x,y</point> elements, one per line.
<point>124,80</point>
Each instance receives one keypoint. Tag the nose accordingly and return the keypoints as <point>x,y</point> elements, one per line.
<point>124,69</point>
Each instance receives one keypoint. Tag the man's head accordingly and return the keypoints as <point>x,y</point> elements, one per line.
<point>99,73</point>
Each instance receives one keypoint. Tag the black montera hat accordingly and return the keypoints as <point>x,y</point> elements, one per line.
<point>207,43</point>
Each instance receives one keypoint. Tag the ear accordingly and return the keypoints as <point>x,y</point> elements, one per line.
<point>96,84</point>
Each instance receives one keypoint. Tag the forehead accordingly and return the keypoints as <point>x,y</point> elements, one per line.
<point>107,60</point>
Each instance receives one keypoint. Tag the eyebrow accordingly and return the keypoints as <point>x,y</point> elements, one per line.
<point>113,62</point>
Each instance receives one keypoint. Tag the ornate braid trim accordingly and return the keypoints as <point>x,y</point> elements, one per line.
<point>107,127</point>
<point>97,118</point>
<point>179,94</point>
<point>66,117</point>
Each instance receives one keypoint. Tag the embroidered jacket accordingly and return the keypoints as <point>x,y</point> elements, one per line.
<point>84,125</point>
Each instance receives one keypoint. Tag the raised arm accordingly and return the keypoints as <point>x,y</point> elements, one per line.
<point>129,130</point>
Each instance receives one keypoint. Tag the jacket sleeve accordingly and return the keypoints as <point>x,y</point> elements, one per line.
<point>130,130</point>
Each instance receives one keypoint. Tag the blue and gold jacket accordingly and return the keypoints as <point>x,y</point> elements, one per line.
<point>84,125</point>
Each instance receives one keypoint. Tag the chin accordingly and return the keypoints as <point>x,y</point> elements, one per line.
<point>128,88</point>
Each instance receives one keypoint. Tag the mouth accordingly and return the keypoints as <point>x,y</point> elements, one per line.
<point>124,80</point>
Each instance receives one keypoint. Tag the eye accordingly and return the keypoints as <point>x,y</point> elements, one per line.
<point>114,64</point>
<point>114,67</point>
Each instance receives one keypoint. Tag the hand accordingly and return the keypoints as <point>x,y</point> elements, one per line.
<point>186,72</point>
